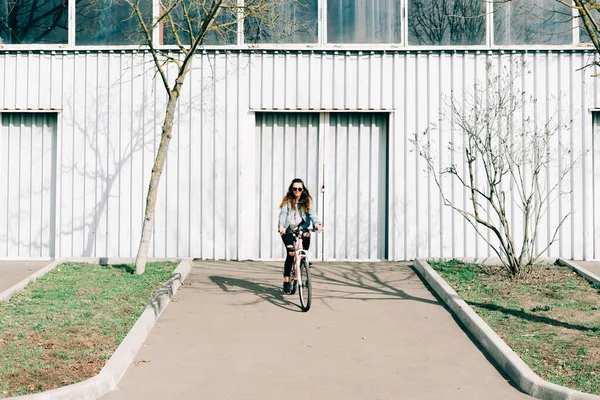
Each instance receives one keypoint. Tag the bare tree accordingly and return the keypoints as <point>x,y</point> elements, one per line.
<point>508,159</point>
<point>188,24</point>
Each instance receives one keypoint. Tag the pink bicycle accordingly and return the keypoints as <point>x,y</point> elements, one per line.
<point>300,275</point>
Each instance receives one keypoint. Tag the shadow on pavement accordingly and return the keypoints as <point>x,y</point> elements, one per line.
<point>264,292</point>
<point>363,281</point>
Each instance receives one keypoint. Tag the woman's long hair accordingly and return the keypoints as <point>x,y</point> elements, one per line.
<point>303,202</point>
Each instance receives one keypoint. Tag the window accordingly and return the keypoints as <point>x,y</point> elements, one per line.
<point>532,22</point>
<point>288,22</point>
<point>446,22</point>
<point>363,21</point>
<point>106,22</point>
<point>34,21</point>
<point>584,36</point>
<point>222,31</point>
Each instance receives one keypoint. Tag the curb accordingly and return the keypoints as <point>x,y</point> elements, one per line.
<point>523,376</point>
<point>110,375</point>
<point>580,270</point>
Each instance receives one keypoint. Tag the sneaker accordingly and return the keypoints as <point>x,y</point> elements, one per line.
<point>309,264</point>
<point>286,287</point>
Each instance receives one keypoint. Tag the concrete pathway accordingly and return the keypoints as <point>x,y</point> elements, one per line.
<point>374,332</point>
<point>592,266</point>
<point>13,272</point>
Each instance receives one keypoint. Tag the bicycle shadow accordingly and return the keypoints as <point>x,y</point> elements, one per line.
<point>263,292</point>
<point>381,281</point>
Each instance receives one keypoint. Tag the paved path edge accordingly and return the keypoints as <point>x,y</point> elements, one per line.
<point>580,270</point>
<point>523,376</point>
<point>110,375</point>
<point>8,293</point>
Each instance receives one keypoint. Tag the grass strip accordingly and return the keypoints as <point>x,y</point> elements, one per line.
<point>549,317</point>
<point>62,328</point>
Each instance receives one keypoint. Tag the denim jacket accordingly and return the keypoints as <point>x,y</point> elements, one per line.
<point>308,218</point>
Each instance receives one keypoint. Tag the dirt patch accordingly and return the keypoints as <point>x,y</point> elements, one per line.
<point>550,317</point>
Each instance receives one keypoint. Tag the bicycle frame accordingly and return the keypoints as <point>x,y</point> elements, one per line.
<point>299,254</point>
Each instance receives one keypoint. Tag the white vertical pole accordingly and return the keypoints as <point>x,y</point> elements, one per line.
<point>71,23</point>
<point>323,131</point>
<point>240,24</point>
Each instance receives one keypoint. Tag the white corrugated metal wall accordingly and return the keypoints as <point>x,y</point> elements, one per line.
<point>110,111</point>
<point>27,187</point>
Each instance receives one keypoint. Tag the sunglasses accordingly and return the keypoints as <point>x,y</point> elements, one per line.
<point>296,189</point>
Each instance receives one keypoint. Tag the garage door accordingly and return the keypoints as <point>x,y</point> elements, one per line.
<point>27,171</point>
<point>342,158</point>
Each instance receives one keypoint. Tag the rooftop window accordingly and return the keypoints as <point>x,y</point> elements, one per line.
<point>309,22</point>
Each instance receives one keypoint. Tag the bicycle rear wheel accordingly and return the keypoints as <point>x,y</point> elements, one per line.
<point>305,286</point>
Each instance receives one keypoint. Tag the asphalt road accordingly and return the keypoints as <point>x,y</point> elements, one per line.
<point>374,332</point>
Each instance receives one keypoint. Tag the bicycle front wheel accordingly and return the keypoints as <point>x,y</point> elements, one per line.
<point>305,286</point>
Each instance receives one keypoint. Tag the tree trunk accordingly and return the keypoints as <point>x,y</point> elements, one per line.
<point>157,169</point>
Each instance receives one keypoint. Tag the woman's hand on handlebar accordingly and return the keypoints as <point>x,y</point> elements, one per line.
<point>319,228</point>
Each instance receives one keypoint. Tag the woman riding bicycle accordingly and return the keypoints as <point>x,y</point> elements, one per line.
<point>296,211</point>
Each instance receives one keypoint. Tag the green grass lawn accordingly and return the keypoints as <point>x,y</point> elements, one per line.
<point>550,317</point>
<point>64,327</point>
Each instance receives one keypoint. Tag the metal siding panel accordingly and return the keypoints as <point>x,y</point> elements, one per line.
<point>445,90</point>
<point>303,80</point>
<point>127,149</point>
<point>587,166</point>
<point>338,80</point>
<point>577,206</point>
<point>553,112</point>
<point>26,157</point>
<point>220,181</point>
<point>362,76</point>
<point>140,102</point>
<point>315,83</point>
<point>434,208</point>
<point>10,80</point>
<point>267,80</point>
<point>350,81</point>
<point>90,129</point>
<point>208,161</point>
<point>78,178</point>
<point>21,82</point>
<point>108,102</point>
<point>248,159</point>
<point>45,81</point>
<point>290,83</point>
<point>422,178</point>
<point>372,127</point>
<point>284,147</point>
<point>33,84</point>
<point>363,174</point>
<point>67,162</point>
<point>375,62</point>
<point>3,79</point>
<point>195,159</point>
<point>231,153</point>
<point>470,72</point>
<point>278,181</point>
<point>279,86</point>
<point>113,223</point>
<point>410,158</point>
<point>255,75</point>
<point>387,80</point>
<point>353,221</point>
<point>23,220</point>
<point>326,88</point>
